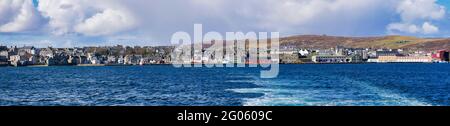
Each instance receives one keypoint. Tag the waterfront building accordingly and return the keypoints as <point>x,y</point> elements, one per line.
<point>371,54</point>
<point>120,60</point>
<point>3,51</point>
<point>29,49</point>
<point>387,59</point>
<point>404,59</point>
<point>145,61</point>
<point>303,52</point>
<point>4,56</point>
<point>93,59</point>
<point>326,52</point>
<point>60,58</point>
<point>14,60</point>
<point>161,55</point>
<point>12,51</point>
<point>46,52</point>
<point>4,61</point>
<point>340,51</point>
<point>82,60</point>
<point>330,59</point>
<point>22,60</point>
<point>391,52</point>
<point>42,60</point>
<point>289,58</point>
<point>441,56</point>
<point>372,60</point>
<point>111,60</point>
<point>365,54</point>
<point>414,59</point>
<point>133,59</point>
<point>355,58</point>
<point>3,48</point>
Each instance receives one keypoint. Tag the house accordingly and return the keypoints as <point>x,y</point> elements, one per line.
<point>133,59</point>
<point>111,60</point>
<point>80,60</point>
<point>15,60</point>
<point>120,60</point>
<point>46,52</point>
<point>29,49</point>
<point>146,61</point>
<point>3,51</point>
<point>4,61</point>
<point>60,58</point>
<point>22,60</point>
<point>13,51</point>
<point>94,59</point>
<point>4,56</point>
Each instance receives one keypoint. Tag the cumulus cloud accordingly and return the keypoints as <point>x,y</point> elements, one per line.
<point>18,16</point>
<point>86,17</point>
<point>429,28</point>
<point>403,27</point>
<point>316,16</point>
<point>157,20</point>
<point>337,17</point>
<point>414,13</point>
<point>411,10</point>
<point>106,23</point>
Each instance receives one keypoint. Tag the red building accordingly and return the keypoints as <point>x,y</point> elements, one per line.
<point>441,55</point>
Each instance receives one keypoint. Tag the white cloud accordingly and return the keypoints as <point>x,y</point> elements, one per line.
<point>87,17</point>
<point>317,13</point>
<point>403,27</point>
<point>18,16</point>
<point>425,28</point>
<point>411,10</point>
<point>159,19</point>
<point>106,23</point>
<point>429,28</point>
<point>416,12</point>
<point>341,17</point>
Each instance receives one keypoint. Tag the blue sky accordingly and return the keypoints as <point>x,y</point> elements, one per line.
<point>445,3</point>
<point>65,23</point>
<point>35,3</point>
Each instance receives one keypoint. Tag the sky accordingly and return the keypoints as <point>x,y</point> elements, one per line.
<point>68,23</point>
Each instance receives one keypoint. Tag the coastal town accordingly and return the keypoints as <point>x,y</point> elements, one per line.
<point>126,55</point>
<point>86,56</point>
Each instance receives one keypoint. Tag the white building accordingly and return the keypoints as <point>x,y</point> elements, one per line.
<point>303,52</point>
<point>330,59</point>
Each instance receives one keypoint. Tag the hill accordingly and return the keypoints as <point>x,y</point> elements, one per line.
<point>392,42</point>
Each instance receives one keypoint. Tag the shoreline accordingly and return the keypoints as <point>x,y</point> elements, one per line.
<point>118,65</point>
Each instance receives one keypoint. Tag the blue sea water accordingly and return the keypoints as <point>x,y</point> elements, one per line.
<point>164,85</point>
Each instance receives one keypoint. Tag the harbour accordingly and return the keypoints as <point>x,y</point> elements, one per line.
<point>391,84</point>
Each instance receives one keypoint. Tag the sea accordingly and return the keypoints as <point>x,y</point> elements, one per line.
<point>165,85</point>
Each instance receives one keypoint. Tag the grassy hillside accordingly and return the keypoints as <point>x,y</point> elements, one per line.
<point>393,42</point>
